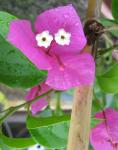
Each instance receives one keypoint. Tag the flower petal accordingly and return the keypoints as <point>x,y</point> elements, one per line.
<point>112,121</point>
<point>105,135</point>
<point>103,146</point>
<point>37,91</point>
<point>63,18</point>
<point>99,134</point>
<point>21,35</point>
<point>79,70</point>
<point>39,105</point>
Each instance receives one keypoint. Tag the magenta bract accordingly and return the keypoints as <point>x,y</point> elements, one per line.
<point>55,46</point>
<point>105,135</point>
<point>37,91</point>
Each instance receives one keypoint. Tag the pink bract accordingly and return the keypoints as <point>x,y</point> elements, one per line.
<point>63,17</point>
<point>75,70</point>
<point>37,91</point>
<point>105,135</point>
<point>66,67</point>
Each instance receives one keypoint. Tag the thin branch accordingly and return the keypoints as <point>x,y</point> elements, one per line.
<point>108,39</point>
<point>11,110</point>
<point>111,28</point>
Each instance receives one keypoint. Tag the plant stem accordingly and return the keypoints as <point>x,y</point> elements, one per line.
<point>108,39</point>
<point>11,110</point>
<point>58,110</point>
<point>58,98</point>
<point>111,28</point>
<point>78,138</point>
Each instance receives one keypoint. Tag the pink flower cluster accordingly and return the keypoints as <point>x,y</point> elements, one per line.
<point>55,45</point>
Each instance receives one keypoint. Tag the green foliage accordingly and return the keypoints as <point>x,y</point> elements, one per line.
<point>95,121</point>
<point>115,9</point>
<point>109,23</point>
<point>5,19</point>
<point>18,143</point>
<point>3,146</point>
<point>51,132</point>
<point>15,69</point>
<point>3,100</point>
<point>47,112</point>
<point>114,103</point>
<point>109,81</point>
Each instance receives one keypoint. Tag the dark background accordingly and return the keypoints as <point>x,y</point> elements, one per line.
<point>31,8</point>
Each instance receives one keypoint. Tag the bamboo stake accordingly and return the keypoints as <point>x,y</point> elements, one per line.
<point>80,119</point>
<point>94,9</point>
<point>78,138</point>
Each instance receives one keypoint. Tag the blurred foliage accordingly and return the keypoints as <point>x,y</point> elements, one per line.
<point>3,101</point>
<point>3,146</point>
<point>31,8</point>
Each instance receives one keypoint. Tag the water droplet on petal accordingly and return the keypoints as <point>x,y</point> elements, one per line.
<point>66,16</point>
<point>77,24</point>
<point>61,68</point>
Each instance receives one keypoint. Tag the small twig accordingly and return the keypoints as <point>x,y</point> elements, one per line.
<point>11,110</point>
<point>106,37</point>
<point>106,50</point>
<point>111,28</point>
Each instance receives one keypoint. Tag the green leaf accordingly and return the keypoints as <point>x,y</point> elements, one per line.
<point>108,85</point>
<point>114,102</point>
<point>47,112</point>
<point>95,121</point>
<point>5,19</point>
<point>35,122</point>
<point>15,69</point>
<point>18,143</point>
<point>3,146</point>
<point>109,81</point>
<point>51,132</point>
<point>115,9</point>
<point>109,23</point>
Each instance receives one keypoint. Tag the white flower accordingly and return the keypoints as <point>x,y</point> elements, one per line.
<point>62,37</point>
<point>44,39</point>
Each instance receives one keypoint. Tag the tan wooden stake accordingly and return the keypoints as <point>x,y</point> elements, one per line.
<point>80,119</point>
<point>78,138</point>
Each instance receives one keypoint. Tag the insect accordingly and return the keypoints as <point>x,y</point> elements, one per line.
<point>93,30</point>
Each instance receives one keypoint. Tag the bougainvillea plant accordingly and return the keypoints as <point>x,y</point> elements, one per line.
<point>105,135</point>
<point>55,54</point>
